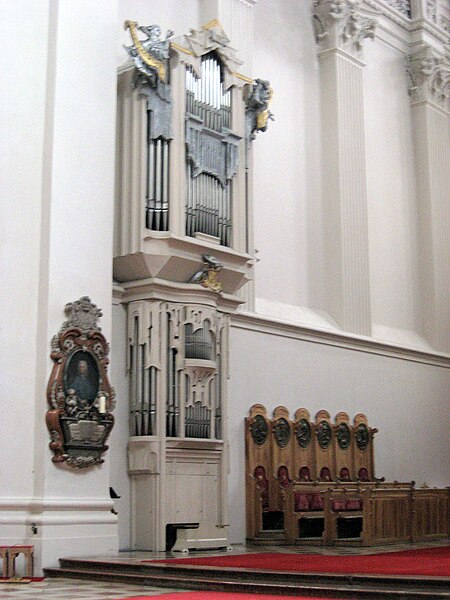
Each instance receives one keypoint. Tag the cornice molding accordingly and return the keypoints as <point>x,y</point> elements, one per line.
<point>170,291</point>
<point>271,326</point>
<point>402,28</point>
<point>428,78</point>
<point>343,25</point>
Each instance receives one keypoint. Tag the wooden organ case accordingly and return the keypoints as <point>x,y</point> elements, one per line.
<point>313,482</point>
<point>183,250</point>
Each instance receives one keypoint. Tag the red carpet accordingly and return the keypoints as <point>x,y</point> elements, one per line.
<point>428,561</point>
<point>218,596</point>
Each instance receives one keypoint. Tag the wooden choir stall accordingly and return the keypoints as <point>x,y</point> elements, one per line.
<point>314,483</point>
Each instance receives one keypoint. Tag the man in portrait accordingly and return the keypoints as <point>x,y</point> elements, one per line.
<point>81,385</point>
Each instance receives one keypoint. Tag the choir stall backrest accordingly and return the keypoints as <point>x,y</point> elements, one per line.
<point>258,459</point>
<point>343,454</point>
<point>324,448</point>
<point>363,455</point>
<point>303,446</point>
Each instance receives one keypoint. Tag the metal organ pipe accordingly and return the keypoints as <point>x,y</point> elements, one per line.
<point>157,217</point>
<point>208,208</point>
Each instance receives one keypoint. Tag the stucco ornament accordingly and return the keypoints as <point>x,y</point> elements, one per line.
<point>342,24</point>
<point>428,77</point>
<point>403,6</point>
<point>432,10</point>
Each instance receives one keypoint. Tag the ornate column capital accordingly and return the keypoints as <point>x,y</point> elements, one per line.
<point>429,77</point>
<point>342,24</point>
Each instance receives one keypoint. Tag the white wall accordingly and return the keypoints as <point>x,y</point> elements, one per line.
<point>58,122</point>
<point>390,190</point>
<point>22,120</point>
<point>287,200</point>
<point>406,401</point>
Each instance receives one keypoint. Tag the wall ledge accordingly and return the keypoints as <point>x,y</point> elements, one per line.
<point>357,343</point>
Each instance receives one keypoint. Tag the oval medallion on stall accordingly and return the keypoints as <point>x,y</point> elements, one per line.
<point>343,436</point>
<point>259,430</point>
<point>282,432</point>
<point>303,433</point>
<point>324,434</point>
<point>362,436</point>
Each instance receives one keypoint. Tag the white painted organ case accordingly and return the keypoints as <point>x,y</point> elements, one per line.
<point>183,249</point>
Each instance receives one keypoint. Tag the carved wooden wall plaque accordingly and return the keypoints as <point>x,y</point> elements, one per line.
<point>79,393</point>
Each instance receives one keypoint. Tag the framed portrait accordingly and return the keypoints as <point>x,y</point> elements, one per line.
<point>79,394</point>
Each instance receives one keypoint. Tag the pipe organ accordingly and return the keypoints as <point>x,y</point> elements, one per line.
<point>186,121</point>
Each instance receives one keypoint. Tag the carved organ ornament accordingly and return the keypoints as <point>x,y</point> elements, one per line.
<point>192,362</point>
<point>79,394</point>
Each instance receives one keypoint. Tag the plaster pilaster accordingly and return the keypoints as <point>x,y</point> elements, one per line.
<point>236,18</point>
<point>341,27</point>
<point>429,81</point>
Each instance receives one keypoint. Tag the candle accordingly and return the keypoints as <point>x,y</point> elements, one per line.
<point>102,405</point>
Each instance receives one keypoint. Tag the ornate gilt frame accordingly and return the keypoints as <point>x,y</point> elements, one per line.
<point>79,427</point>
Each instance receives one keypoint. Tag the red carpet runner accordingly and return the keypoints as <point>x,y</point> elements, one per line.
<point>428,561</point>
<point>218,596</point>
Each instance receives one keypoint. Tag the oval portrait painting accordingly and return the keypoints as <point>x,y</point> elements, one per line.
<point>82,376</point>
